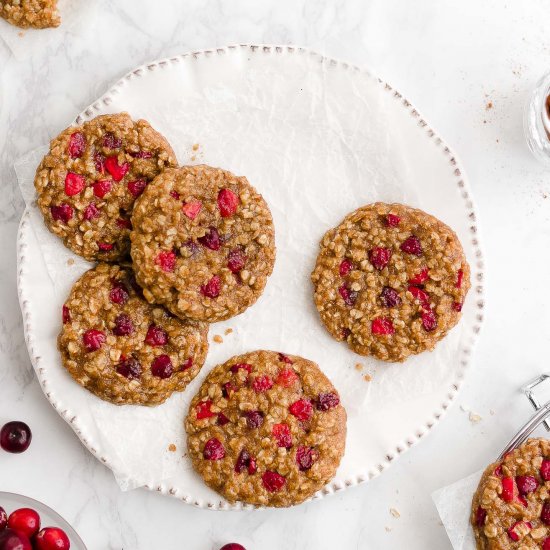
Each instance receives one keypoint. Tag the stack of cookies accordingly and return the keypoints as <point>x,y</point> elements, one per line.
<point>178,248</point>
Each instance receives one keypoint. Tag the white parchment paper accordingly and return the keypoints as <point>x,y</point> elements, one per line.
<point>26,43</point>
<point>318,140</point>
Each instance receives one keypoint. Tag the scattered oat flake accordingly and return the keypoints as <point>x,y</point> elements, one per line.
<point>489,105</point>
<point>395,513</point>
<point>195,147</point>
<point>172,448</point>
<point>21,34</point>
<point>367,377</point>
<point>70,261</point>
<point>358,366</point>
<point>218,339</point>
<point>475,418</point>
<point>388,529</point>
<point>228,331</point>
<point>193,158</point>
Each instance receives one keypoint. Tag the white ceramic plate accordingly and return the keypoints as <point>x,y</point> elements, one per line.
<point>318,138</point>
<point>48,517</point>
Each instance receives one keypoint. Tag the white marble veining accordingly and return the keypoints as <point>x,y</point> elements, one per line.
<point>452,60</point>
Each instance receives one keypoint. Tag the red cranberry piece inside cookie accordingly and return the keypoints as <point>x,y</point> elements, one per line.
<point>93,339</point>
<point>156,336</point>
<point>301,409</point>
<point>77,145</point>
<point>228,203</point>
<point>380,257</point>
<point>213,449</point>
<point>282,435</point>
<point>130,368</point>
<point>74,183</point>
<point>62,213</point>
<point>412,245</point>
<point>306,457</point>
<point>273,481</point>
<point>162,366</point>
<point>192,209</point>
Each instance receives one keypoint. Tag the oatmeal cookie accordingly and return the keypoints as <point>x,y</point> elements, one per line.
<point>88,182</point>
<point>390,281</point>
<point>38,14</point>
<point>511,507</point>
<point>266,429</point>
<point>123,349</point>
<point>203,243</point>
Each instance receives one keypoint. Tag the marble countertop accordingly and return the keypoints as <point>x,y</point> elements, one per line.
<point>469,68</point>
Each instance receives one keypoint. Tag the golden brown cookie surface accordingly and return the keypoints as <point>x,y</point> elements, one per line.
<point>38,14</point>
<point>266,429</point>
<point>390,281</point>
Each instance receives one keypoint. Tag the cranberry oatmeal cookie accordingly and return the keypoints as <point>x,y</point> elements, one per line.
<point>511,507</point>
<point>123,349</point>
<point>390,281</point>
<point>266,429</point>
<point>39,14</point>
<point>88,182</point>
<point>203,243</point>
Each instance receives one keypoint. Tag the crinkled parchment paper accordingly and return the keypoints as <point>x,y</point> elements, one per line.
<point>318,141</point>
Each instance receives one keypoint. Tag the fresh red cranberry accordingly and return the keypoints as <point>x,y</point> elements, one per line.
<point>130,368</point>
<point>245,462</point>
<point>236,260</point>
<point>162,366</point>
<point>349,296</point>
<point>412,245</point>
<point>228,203</point>
<point>52,538</point>
<point>545,470</point>
<point>345,267</point>
<point>306,457</point>
<point>117,171</point>
<point>382,325</point>
<point>166,260</point>
<point>212,288</point>
<point>213,449</point>
<point>13,540</point>
<point>287,377</point>
<point>93,339</point>
<point>481,514</point>
<point>420,277</point>
<point>526,484</point>
<point>211,239</point>
<point>102,187</point>
<point>137,187</point>
<point>156,336</point>
<point>62,213</point>
<point>74,183</point>
<point>392,220</point>
<point>110,141</point>
<point>508,489</point>
<point>245,366</point>
<point>282,435</point>
<point>191,209</point>
<point>459,278</point>
<point>77,145</point>
<point>99,162</point>
<point>254,419</point>
<point>546,544</point>
<point>236,546</point>
<point>545,513</point>
<point>326,401</point>
<point>429,320</point>
<point>390,297</point>
<point>119,293</point>
<point>203,410</point>
<point>105,247</point>
<point>3,519</point>
<point>123,325</point>
<point>91,211</point>
<point>25,520</point>
<point>380,257</point>
<point>420,295</point>
<point>301,409</point>
<point>262,383</point>
<point>222,419</point>
<point>66,314</point>
<point>273,481</point>
<point>15,437</point>
<point>457,306</point>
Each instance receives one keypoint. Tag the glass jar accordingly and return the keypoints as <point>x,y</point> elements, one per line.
<point>537,120</point>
